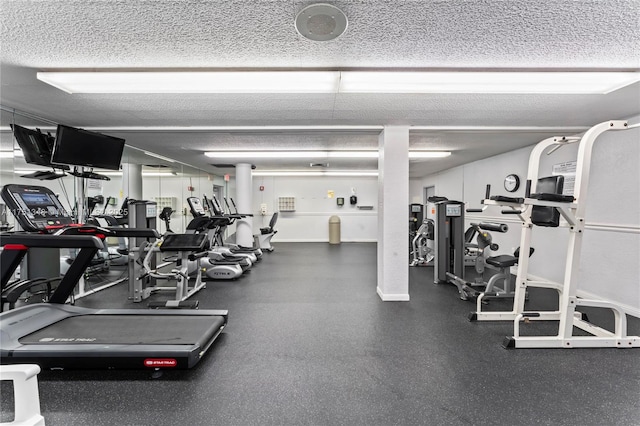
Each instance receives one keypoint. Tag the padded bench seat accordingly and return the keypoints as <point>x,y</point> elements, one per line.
<point>502,261</point>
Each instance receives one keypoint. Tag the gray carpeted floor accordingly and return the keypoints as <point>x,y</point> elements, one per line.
<point>310,342</point>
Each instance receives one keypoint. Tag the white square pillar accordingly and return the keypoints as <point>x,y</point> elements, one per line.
<point>244,198</point>
<point>393,202</point>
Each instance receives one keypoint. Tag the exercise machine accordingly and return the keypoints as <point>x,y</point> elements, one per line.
<point>165,216</point>
<point>267,233</point>
<point>501,264</point>
<point>57,336</point>
<point>543,205</point>
<point>190,248</point>
<point>422,253</point>
<point>449,239</point>
<point>217,224</point>
<point>230,242</point>
<point>218,265</point>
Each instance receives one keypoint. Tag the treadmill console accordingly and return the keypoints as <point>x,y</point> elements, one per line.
<point>196,207</point>
<point>36,208</point>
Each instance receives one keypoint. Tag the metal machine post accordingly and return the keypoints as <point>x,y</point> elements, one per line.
<point>449,236</point>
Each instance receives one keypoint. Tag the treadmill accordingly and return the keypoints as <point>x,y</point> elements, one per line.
<point>56,335</point>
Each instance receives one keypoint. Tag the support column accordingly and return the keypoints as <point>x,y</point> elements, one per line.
<point>244,202</point>
<point>132,181</point>
<point>393,201</point>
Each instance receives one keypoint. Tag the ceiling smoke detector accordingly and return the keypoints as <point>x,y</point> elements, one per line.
<point>321,22</point>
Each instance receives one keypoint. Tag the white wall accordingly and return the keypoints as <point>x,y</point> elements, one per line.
<point>610,263</point>
<point>310,221</point>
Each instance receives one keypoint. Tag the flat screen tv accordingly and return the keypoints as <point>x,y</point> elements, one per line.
<point>79,147</point>
<point>36,146</point>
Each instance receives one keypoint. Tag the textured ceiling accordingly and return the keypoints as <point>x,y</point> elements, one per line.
<point>259,34</point>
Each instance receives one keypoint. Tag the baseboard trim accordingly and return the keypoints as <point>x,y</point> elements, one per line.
<point>392,297</point>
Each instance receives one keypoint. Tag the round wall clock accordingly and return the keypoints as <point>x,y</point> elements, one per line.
<point>512,183</point>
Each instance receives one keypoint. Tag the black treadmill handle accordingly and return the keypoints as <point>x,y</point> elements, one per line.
<point>134,232</point>
<point>51,241</point>
<point>194,256</point>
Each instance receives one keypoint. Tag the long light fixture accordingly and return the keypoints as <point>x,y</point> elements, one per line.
<point>292,154</point>
<point>486,82</point>
<point>160,157</point>
<point>464,81</point>
<point>144,174</point>
<point>329,173</point>
<point>428,154</point>
<point>318,154</point>
<point>193,81</point>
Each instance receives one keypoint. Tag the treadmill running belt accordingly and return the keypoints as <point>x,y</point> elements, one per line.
<point>127,330</point>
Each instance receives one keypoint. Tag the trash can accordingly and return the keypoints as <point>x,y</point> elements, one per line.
<point>334,230</point>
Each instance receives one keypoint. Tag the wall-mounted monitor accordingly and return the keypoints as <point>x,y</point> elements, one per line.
<point>79,147</point>
<point>36,146</point>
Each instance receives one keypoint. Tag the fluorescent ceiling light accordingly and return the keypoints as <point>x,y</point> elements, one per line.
<point>145,174</point>
<point>549,82</point>
<point>486,82</point>
<point>318,154</point>
<point>292,154</point>
<point>194,81</point>
<point>428,154</point>
<point>151,154</point>
<point>336,173</point>
<point>158,174</point>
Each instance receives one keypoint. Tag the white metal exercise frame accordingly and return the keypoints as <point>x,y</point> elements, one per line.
<point>574,214</point>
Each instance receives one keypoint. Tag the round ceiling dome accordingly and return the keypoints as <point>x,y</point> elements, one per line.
<point>321,22</point>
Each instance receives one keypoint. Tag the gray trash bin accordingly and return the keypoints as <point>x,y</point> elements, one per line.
<point>334,230</point>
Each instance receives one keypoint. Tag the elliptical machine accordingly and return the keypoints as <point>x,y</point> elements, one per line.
<point>218,211</point>
<point>216,265</point>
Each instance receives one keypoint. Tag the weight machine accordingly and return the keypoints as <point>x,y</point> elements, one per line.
<point>544,208</point>
<point>423,255</point>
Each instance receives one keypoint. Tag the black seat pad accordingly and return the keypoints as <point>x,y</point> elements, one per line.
<point>553,197</point>
<point>502,261</point>
<point>506,199</point>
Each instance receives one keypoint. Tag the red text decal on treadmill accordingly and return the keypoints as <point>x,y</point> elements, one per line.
<point>15,247</point>
<point>160,362</point>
